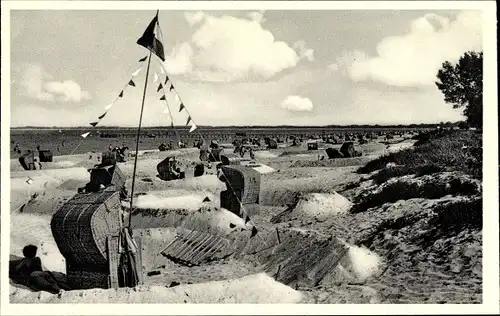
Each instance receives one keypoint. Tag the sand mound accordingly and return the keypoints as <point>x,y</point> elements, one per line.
<point>203,185</point>
<point>399,146</point>
<point>45,182</point>
<point>264,154</point>
<point>262,169</point>
<point>188,202</point>
<point>47,202</point>
<point>35,229</point>
<point>282,191</point>
<point>323,204</point>
<point>185,211</point>
<point>259,288</point>
<point>59,162</point>
<point>359,264</point>
<point>315,205</point>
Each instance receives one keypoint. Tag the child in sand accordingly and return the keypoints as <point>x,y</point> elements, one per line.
<point>30,268</point>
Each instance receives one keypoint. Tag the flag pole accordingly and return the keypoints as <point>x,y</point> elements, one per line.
<point>137,141</point>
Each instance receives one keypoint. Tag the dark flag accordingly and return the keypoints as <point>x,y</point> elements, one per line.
<point>162,97</point>
<point>100,117</point>
<point>166,80</point>
<point>171,87</point>
<point>206,199</point>
<point>121,94</point>
<point>188,120</point>
<point>149,40</point>
<point>94,124</point>
<point>181,107</point>
<point>131,82</point>
<point>143,59</point>
<point>159,88</point>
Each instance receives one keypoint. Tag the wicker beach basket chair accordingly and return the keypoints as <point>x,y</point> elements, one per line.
<point>243,184</point>
<point>82,228</point>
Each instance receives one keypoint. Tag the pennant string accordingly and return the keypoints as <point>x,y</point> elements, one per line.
<point>167,108</point>
<point>194,127</point>
<point>122,92</point>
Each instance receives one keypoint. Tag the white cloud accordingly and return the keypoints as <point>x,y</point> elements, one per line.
<point>304,52</point>
<point>194,18</point>
<point>66,91</point>
<point>36,84</point>
<point>227,49</point>
<point>296,103</point>
<point>413,59</point>
<point>257,16</point>
<point>179,60</point>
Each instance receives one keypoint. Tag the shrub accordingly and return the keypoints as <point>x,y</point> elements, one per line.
<point>451,150</point>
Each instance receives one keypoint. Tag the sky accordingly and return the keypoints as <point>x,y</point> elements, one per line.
<point>237,67</point>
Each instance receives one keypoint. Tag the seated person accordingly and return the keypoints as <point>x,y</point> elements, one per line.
<point>174,169</point>
<point>30,270</point>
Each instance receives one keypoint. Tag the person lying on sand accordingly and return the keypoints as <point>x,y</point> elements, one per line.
<point>30,269</point>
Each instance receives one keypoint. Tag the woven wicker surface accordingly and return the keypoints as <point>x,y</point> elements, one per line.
<point>119,178</point>
<point>80,227</point>
<point>231,159</point>
<point>244,181</point>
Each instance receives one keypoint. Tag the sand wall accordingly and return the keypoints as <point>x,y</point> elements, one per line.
<point>259,288</point>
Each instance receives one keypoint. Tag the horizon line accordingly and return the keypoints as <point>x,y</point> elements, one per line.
<point>240,126</point>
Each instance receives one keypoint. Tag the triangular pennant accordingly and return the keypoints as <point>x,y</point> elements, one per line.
<point>177,99</point>
<point>162,97</point>
<point>254,232</point>
<point>159,87</point>
<point>100,117</point>
<point>206,199</point>
<point>121,94</point>
<point>247,219</point>
<point>162,71</point>
<point>84,135</point>
<point>193,127</point>
<point>188,120</point>
<point>135,73</point>
<point>181,107</point>
<point>143,59</point>
<point>166,110</point>
<point>109,106</point>
<point>156,77</point>
<point>131,83</point>
<point>171,87</point>
<point>166,78</point>
<point>94,124</point>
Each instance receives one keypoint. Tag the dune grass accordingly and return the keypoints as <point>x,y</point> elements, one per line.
<point>434,152</point>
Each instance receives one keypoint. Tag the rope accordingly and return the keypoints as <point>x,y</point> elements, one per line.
<point>172,120</point>
<point>81,142</point>
<point>205,142</point>
<point>137,143</point>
